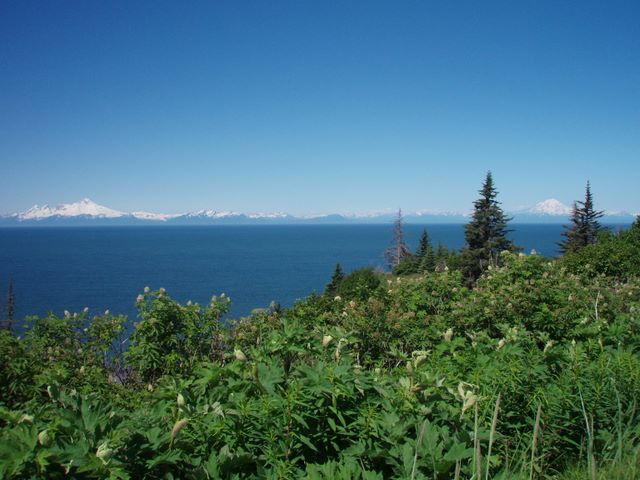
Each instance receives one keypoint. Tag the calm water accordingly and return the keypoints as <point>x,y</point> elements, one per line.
<point>106,267</point>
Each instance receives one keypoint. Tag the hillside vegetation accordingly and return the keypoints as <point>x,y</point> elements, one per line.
<point>530,368</point>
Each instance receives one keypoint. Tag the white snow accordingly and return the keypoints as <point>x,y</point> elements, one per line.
<point>84,207</point>
<point>213,214</point>
<point>162,217</point>
<point>550,206</point>
<point>268,215</point>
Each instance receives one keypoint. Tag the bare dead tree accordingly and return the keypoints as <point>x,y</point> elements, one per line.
<point>398,250</point>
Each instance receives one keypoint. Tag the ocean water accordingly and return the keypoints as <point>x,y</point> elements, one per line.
<point>54,269</point>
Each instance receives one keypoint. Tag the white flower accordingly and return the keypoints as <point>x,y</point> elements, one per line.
<point>104,453</point>
<point>337,298</point>
<point>86,309</point>
<point>147,289</point>
<point>326,340</point>
<point>67,314</point>
<point>140,298</point>
<point>448,335</point>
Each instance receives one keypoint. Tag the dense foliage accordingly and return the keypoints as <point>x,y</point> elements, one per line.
<point>533,372</point>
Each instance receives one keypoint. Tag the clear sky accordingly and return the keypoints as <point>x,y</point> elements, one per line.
<point>317,107</point>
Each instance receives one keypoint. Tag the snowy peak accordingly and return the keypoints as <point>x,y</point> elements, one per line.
<point>550,207</point>
<point>157,217</point>
<point>212,214</point>
<point>83,208</point>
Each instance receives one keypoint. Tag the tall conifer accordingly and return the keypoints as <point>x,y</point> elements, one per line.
<point>425,257</point>
<point>10,306</point>
<point>332,287</point>
<point>486,233</point>
<point>584,226</point>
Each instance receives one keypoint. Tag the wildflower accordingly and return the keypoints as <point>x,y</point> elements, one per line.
<point>467,396</point>
<point>180,400</point>
<point>419,356</point>
<point>448,334</point>
<point>337,298</point>
<point>147,289</point>
<point>240,356</point>
<point>140,298</point>
<point>179,425</point>
<point>67,314</point>
<point>501,343</point>
<point>149,387</point>
<point>26,418</point>
<point>107,312</point>
<point>326,340</point>
<point>104,453</point>
<point>43,438</point>
<point>352,304</point>
<point>548,345</point>
<point>341,342</point>
<point>189,303</point>
<point>161,291</point>
<point>85,310</point>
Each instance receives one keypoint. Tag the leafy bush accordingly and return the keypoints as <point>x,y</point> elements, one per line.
<point>534,372</point>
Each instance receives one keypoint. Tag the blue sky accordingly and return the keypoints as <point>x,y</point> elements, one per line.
<point>316,107</point>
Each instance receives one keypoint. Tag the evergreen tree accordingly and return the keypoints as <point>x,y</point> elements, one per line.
<point>584,226</point>
<point>10,307</point>
<point>442,255</point>
<point>486,233</point>
<point>336,279</point>
<point>425,256</point>
<point>398,251</point>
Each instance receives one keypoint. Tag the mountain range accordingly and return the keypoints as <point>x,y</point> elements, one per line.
<point>87,212</point>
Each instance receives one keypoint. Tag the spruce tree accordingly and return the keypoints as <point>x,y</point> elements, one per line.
<point>10,306</point>
<point>584,226</point>
<point>486,233</point>
<point>398,251</point>
<point>425,260</point>
<point>442,256</point>
<point>336,279</point>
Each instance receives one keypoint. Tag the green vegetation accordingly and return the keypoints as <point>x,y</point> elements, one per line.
<point>532,371</point>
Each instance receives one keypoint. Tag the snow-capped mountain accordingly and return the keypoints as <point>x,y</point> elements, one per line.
<point>550,206</point>
<point>158,217</point>
<point>83,208</point>
<point>87,212</point>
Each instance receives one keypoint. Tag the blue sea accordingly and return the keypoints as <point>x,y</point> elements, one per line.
<point>70,268</point>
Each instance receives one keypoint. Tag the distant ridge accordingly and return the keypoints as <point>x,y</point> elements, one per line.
<point>88,212</point>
